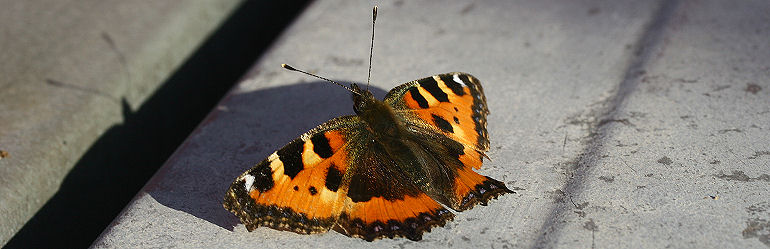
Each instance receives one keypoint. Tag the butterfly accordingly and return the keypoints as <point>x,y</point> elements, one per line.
<point>390,171</point>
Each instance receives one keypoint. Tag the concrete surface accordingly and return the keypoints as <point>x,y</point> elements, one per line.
<point>620,123</point>
<point>67,66</point>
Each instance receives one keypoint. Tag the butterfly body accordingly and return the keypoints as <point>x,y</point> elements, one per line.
<point>381,172</point>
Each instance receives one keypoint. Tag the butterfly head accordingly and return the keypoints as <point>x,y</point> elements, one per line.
<point>362,99</point>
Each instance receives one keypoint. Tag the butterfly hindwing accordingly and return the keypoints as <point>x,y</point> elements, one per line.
<point>299,187</point>
<point>383,201</point>
<point>454,161</point>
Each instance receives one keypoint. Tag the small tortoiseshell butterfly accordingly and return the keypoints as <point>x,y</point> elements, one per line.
<point>379,173</point>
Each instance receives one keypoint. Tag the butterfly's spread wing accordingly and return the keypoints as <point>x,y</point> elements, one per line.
<point>453,104</point>
<point>334,174</point>
<point>299,187</point>
<point>447,117</point>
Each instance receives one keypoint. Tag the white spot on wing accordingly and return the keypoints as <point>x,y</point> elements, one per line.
<point>249,182</point>
<point>457,79</point>
<point>273,156</point>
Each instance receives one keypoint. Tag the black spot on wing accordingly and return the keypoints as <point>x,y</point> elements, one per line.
<point>418,97</point>
<point>312,190</point>
<point>361,191</point>
<point>454,86</point>
<point>263,176</point>
<point>442,124</point>
<point>431,86</point>
<point>454,148</point>
<point>291,156</point>
<point>321,145</point>
<point>296,188</point>
<point>333,178</point>
<point>457,121</point>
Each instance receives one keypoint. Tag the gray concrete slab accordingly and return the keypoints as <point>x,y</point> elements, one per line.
<point>680,158</point>
<point>620,123</point>
<point>66,67</point>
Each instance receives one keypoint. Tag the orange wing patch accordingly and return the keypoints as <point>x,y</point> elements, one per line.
<point>297,188</point>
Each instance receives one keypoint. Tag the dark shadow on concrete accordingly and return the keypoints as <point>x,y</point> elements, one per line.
<point>121,161</point>
<point>195,179</point>
<point>649,41</point>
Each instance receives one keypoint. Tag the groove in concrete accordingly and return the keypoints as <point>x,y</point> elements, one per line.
<point>648,43</point>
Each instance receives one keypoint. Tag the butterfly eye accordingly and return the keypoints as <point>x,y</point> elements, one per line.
<point>358,103</point>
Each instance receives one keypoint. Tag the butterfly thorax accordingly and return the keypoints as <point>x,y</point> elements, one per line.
<point>390,134</point>
<point>377,115</point>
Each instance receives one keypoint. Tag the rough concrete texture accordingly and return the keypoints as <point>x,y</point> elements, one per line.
<point>67,65</point>
<point>619,123</point>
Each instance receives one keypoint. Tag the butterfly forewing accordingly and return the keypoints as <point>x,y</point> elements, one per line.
<point>299,187</point>
<point>452,104</point>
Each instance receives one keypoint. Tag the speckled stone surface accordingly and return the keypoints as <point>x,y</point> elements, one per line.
<point>619,123</point>
<point>66,67</point>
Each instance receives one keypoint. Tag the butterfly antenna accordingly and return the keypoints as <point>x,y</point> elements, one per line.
<point>371,48</point>
<point>297,70</point>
